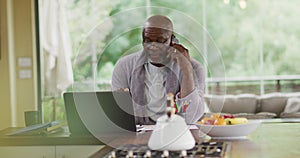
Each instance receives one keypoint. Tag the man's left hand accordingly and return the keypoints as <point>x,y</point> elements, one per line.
<point>181,55</point>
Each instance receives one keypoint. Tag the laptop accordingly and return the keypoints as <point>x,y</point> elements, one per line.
<point>90,113</point>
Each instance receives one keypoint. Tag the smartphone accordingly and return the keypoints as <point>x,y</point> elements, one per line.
<point>174,40</point>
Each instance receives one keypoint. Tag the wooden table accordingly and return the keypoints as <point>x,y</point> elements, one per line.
<point>270,140</point>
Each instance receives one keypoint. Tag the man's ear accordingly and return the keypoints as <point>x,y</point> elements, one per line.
<point>143,34</point>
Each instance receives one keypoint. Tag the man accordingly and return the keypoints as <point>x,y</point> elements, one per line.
<point>162,67</point>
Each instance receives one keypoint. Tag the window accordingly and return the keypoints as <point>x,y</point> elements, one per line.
<point>254,44</point>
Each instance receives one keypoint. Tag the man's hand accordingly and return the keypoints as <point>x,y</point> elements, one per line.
<point>181,55</point>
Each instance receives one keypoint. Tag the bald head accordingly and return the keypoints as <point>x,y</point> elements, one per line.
<point>157,38</point>
<point>159,21</point>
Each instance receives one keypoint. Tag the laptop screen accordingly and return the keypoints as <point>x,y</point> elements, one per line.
<point>99,112</point>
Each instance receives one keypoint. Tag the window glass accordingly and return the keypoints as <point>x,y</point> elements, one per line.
<point>281,37</point>
<point>246,41</point>
<point>237,33</point>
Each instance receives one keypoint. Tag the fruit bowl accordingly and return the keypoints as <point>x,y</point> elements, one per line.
<point>239,131</point>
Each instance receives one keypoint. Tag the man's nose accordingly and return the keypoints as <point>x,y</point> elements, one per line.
<point>153,45</point>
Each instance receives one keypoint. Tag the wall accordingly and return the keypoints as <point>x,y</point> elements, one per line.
<point>17,40</point>
<point>4,72</point>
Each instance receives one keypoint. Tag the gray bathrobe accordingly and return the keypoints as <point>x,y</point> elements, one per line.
<point>129,73</point>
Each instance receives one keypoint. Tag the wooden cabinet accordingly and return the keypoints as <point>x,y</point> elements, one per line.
<point>27,151</point>
<point>50,146</point>
<point>69,151</point>
<point>76,151</point>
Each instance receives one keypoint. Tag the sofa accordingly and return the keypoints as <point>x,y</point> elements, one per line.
<point>251,106</point>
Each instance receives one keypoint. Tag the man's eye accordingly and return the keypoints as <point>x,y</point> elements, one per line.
<point>161,40</point>
<point>147,40</point>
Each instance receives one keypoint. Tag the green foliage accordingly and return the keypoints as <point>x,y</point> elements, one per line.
<point>49,104</point>
<point>240,34</point>
<point>270,27</point>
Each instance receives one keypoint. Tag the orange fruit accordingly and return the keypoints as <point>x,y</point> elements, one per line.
<point>220,121</point>
<point>215,116</point>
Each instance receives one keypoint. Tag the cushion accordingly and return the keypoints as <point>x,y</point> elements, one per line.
<point>243,103</point>
<point>292,108</point>
<point>292,105</point>
<point>265,115</point>
<point>290,115</point>
<point>214,102</point>
<point>246,115</point>
<point>293,95</point>
<point>261,115</point>
<point>206,109</point>
<point>273,102</point>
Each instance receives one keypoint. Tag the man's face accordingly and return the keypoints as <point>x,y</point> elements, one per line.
<point>156,42</point>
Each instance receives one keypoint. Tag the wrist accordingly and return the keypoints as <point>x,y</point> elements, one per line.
<point>187,71</point>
